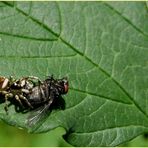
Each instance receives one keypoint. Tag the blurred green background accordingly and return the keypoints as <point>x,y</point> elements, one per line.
<point>12,136</point>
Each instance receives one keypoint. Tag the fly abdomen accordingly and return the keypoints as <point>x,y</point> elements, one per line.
<point>39,95</point>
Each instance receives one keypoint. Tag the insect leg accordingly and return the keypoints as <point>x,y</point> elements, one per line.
<point>51,98</point>
<point>25,99</point>
<point>12,79</point>
<point>17,98</point>
<point>26,91</point>
<point>34,78</point>
<point>7,95</point>
<point>50,77</point>
<point>5,83</point>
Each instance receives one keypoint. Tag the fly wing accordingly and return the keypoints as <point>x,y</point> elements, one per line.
<point>38,116</point>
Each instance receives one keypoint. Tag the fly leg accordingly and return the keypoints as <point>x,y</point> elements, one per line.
<point>51,98</point>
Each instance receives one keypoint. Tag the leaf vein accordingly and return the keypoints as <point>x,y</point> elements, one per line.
<point>126,19</point>
<point>82,54</point>
<point>34,20</point>
<point>37,57</point>
<point>97,95</point>
<point>60,18</point>
<point>27,37</point>
<point>110,128</point>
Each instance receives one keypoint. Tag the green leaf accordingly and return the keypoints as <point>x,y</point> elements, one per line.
<point>103,49</point>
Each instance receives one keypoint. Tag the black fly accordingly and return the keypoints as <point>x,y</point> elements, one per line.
<point>46,96</point>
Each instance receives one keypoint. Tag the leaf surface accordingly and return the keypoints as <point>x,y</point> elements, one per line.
<point>103,49</point>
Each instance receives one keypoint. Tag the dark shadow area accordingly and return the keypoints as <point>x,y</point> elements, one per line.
<point>2,100</point>
<point>70,131</point>
<point>58,103</point>
<point>145,136</point>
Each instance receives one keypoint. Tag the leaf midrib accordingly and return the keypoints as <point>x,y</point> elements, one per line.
<point>82,54</point>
